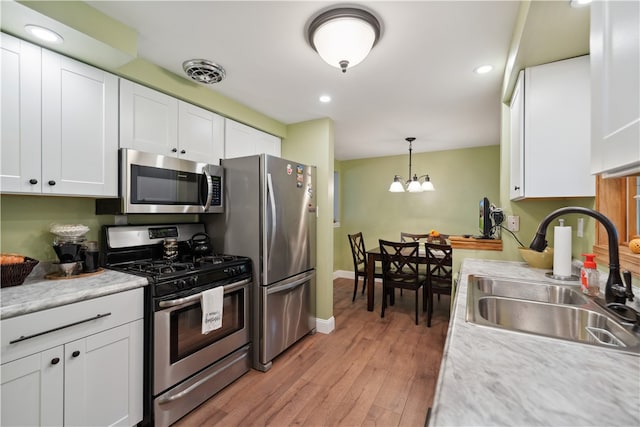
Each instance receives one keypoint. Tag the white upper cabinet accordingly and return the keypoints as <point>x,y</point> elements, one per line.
<point>550,134</point>
<point>79,128</point>
<point>516,189</point>
<point>615,86</point>
<point>154,122</point>
<point>148,119</point>
<point>241,140</point>
<point>200,134</point>
<point>59,124</point>
<point>21,116</point>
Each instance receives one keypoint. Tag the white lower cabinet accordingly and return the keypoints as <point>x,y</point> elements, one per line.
<point>93,376</point>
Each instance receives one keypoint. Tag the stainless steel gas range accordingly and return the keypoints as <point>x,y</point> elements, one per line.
<point>183,366</point>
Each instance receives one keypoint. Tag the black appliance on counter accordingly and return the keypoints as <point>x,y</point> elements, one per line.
<point>183,367</point>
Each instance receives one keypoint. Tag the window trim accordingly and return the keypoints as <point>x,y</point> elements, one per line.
<point>615,200</point>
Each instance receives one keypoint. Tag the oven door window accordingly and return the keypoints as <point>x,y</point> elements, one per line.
<point>186,326</point>
<point>161,186</point>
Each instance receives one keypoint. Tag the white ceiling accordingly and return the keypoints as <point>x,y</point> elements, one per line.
<point>417,81</point>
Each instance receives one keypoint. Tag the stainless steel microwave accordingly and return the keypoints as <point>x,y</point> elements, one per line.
<point>153,183</point>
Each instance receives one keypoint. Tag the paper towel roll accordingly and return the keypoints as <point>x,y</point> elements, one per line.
<point>562,251</point>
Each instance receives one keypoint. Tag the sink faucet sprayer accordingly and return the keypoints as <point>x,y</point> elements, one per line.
<point>615,292</point>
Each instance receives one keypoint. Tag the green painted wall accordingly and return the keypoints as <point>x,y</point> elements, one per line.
<point>312,143</point>
<point>25,222</point>
<point>461,178</point>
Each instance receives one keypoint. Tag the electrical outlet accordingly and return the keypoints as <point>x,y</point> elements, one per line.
<point>580,231</point>
<point>513,223</point>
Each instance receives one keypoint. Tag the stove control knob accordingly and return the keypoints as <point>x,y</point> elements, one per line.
<point>181,283</point>
<point>194,280</point>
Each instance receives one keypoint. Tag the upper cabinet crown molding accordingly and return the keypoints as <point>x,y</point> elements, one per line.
<point>550,131</point>
<point>615,88</point>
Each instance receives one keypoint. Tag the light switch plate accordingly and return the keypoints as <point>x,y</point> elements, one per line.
<point>513,223</point>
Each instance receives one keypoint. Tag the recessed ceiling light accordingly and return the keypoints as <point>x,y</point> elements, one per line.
<point>44,34</point>
<point>579,3</point>
<point>325,98</point>
<point>483,69</point>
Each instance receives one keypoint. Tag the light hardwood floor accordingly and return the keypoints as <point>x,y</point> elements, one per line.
<point>368,371</point>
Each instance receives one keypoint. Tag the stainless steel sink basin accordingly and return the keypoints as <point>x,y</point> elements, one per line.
<point>549,310</point>
<point>530,290</point>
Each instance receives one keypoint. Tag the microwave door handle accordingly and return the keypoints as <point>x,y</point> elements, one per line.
<point>207,204</point>
<point>272,205</point>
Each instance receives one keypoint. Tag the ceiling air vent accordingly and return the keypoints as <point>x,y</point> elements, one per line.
<point>203,71</point>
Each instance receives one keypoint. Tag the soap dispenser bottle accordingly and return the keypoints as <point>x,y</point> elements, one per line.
<point>589,276</point>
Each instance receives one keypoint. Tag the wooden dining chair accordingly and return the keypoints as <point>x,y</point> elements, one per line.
<point>439,274</point>
<point>411,237</point>
<point>359,254</point>
<point>400,269</point>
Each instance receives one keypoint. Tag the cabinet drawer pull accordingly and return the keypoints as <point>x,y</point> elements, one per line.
<point>182,152</point>
<point>75,354</point>
<point>174,150</point>
<point>33,181</point>
<point>55,360</point>
<point>52,182</point>
<point>23,338</point>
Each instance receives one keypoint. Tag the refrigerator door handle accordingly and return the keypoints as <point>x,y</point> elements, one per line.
<point>272,205</point>
<point>290,284</point>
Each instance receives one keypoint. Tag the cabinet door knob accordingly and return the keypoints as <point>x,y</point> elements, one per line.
<point>55,360</point>
<point>174,150</point>
<point>52,182</point>
<point>182,151</point>
<point>75,354</point>
<point>33,181</point>
<point>516,187</point>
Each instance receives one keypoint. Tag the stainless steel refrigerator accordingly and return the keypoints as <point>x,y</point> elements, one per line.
<point>270,216</point>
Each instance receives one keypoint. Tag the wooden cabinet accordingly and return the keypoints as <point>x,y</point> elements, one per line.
<point>85,369</point>
<point>615,87</point>
<point>241,140</point>
<point>550,134</point>
<point>154,122</point>
<point>59,124</point>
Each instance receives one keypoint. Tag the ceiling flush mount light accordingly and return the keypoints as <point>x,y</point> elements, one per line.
<point>325,98</point>
<point>204,71</point>
<point>344,36</point>
<point>44,34</point>
<point>415,184</point>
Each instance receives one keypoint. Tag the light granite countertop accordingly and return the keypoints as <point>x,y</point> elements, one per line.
<point>494,377</point>
<point>38,293</point>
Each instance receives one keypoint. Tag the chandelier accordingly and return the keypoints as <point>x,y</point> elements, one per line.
<point>344,36</point>
<point>415,183</point>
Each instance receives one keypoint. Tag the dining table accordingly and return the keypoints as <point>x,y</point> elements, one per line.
<point>374,255</point>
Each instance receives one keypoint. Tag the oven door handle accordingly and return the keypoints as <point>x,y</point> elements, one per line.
<point>193,298</point>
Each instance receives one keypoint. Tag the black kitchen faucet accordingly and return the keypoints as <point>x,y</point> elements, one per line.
<point>615,291</point>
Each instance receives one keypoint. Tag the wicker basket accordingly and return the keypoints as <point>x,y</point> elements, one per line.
<point>14,274</point>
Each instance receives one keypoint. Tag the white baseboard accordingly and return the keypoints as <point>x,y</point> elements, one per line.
<point>343,274</point>
<point>325,326</point>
